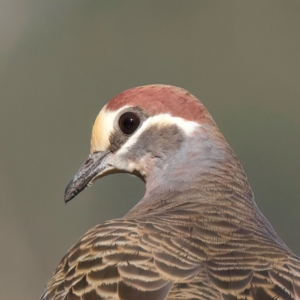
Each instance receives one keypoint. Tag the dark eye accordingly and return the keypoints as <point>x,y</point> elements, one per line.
<point>129,122</point>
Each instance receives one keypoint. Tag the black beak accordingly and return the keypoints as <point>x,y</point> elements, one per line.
<point>95,166</point>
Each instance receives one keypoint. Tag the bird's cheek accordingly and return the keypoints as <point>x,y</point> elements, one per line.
<point>134,165</point>
<point>122,164</point>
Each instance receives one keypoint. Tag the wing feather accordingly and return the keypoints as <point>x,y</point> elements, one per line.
<point>183,257</point>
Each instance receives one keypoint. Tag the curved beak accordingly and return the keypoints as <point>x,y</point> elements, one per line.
<point>95,166</point>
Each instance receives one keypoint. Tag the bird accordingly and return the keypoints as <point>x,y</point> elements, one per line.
<point>197,233</point>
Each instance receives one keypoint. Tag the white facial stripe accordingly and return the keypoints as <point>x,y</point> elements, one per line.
<point>103,127</point>
<point>161,120</point>
<point>166,119</point>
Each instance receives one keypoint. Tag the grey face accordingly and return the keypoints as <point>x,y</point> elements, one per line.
<point>99,164</point>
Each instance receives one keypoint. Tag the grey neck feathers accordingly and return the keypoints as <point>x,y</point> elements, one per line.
<point>202,164</point>
<point>202,174</point>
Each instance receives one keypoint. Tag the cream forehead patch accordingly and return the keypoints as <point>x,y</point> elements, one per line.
<point>102,129</point>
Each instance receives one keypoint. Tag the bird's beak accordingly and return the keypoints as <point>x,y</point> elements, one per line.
<point>95,166</point>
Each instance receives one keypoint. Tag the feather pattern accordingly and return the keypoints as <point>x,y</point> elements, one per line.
<point>186,251</point>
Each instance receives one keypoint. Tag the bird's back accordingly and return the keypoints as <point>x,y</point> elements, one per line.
<point>187,251</point>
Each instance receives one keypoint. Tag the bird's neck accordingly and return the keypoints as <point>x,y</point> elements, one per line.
<point>205,176</point>
<point>203,169</point>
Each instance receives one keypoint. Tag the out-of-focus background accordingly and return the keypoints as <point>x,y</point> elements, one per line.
<point>61,61</point>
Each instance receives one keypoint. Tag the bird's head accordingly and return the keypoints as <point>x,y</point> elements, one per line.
<point>160,133</point>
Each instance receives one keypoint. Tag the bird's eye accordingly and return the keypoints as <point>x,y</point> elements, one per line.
<point>129,122</point>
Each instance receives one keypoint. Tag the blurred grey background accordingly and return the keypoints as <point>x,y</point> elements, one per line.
<point>61,61</point>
